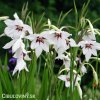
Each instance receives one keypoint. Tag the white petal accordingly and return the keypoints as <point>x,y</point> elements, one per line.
<point>62,77</point>
<point>38,51</point>
<point>9,45</point>
<point>61,50</point>
<point>72,43</point>
<point>94,52</point>
<point>20,66</point>
<point>16,45</point>
<point>22,46</point>
<point>9,22</point>
<point>60,56</point>
<point>9,31</point>
<point>85,50</point>
<point>16,16</point>
<point>67,83</point>
<point>81,43</point>
<point>96,45</point>
<point>27,57</point>
<point>78,78</point>
<point>88,55</point>
<point>34,45</point>
<point>18,22</point>
<point>67,63</point>
<point>28,28</point>
<point>65,34</point>
<point>31,37</point>
<point>45,47</point>
<point>18,53</point>
<point>83,69</point>
<point>14,71</point>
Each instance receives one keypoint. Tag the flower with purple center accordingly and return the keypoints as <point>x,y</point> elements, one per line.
<point>16,28</point>
<point>89,48</point>
<point>40,42</point>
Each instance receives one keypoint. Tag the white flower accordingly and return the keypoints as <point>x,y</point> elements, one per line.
<point>66,60</point>
<point>89,48</point>
<point>66,79</point>
<point>58,38</point>
<point>15,44</point>
<point>21,64</point>
<point>83,69</point>
<point>89,35</point>
<point>19,53</point>
<point>40,42</point>
<point>16,28</point>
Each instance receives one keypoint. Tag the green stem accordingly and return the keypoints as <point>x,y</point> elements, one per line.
<point>71,75</point>
<point>21,84</point>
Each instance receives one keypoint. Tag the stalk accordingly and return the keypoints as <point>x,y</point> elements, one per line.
<point>71,75</point>
<point>21,84</point>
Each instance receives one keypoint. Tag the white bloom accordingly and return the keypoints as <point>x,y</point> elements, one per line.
<point>66,78</point>
<point>58,39</point>
<point>83,69</point>
<point>89,35</point>
<point>21,64</point>
<point>66,60</point>
<point>16,28</point>
<point>89,48</point>
<point>40,42</point>
<point>15,44</point>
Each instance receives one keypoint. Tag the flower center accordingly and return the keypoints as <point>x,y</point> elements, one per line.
<point>58,35</point>
<point>40,39</point>
<point>68,79</point>
<point>88,46</point>
<point>19,28</point>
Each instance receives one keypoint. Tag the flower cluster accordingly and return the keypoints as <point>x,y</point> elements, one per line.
<point>17,30</point>
<point>60,40</point>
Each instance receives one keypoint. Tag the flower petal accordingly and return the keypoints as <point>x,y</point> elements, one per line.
<point>62,77</point>
<point>67,83</point>
<point>38,51</point>
<point>16,16</point>
<point>9,22</point>
<point>9,44</point>
<point>16,45</point>
<point>94,52</point>
<point>31,37</point>
<point>28,28</point>
<point>88,55</point>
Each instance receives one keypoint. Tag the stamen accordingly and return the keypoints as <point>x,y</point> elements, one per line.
<point>88,46</point>
<point>68,79</point>
<point>40,39</point>
<point>19,28</point>
<point>58,35</point>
